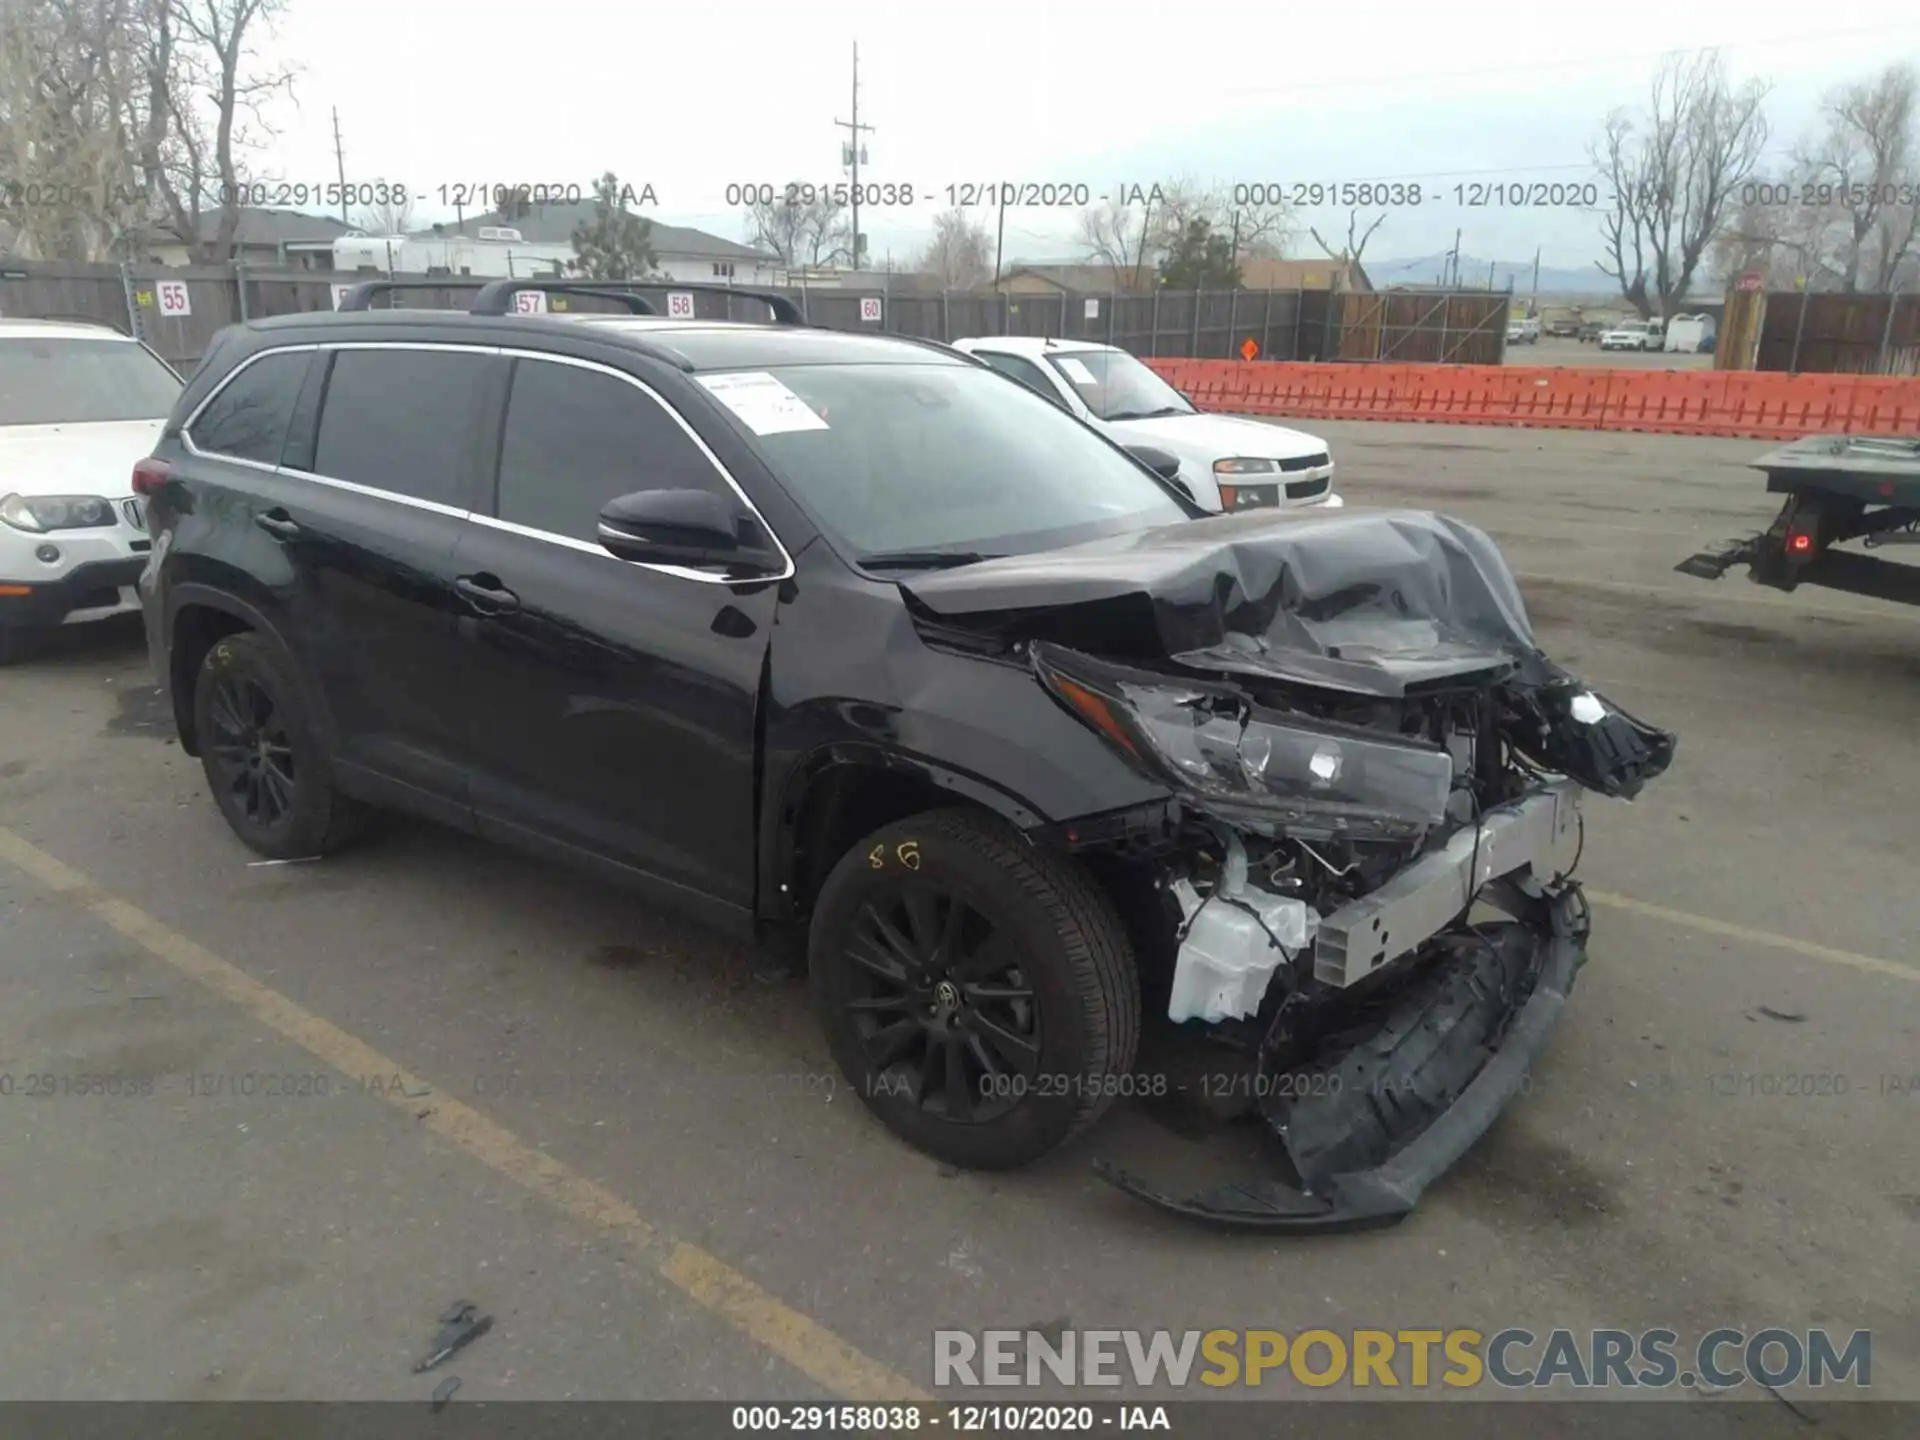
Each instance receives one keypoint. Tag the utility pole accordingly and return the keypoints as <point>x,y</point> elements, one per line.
<point>340,164</point>
<point>1536,280</point>
<point>999,234</point>
<point>1140,255</point>
<point>854,128</point>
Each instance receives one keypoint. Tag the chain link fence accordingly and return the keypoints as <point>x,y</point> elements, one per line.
<point>178,312</point>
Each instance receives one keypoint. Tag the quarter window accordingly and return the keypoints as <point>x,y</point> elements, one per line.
<point>401,420</point>
<point>248,419</point>
<point>577,438</point>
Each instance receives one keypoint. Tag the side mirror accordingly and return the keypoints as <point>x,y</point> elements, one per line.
<point>691,528</point>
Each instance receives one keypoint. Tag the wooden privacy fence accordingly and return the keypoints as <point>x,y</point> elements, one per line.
<point>1312,325</point>
<point>1794,331</point>
<point>1669,402</point>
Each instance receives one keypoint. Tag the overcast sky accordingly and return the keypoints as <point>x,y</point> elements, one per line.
<point>691,97</point>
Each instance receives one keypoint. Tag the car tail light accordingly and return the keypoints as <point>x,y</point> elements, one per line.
<point>150,476</point>
<point>1801,542</point>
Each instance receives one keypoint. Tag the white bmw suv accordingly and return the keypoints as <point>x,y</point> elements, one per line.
<point>79,405</point>
<point>1227,463</point>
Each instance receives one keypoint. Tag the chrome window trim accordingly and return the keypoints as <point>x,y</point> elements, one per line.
<point>787,566</point>
<point>786,571</point>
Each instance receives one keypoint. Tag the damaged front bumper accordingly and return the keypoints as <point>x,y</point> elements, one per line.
<point>1381,1117</point>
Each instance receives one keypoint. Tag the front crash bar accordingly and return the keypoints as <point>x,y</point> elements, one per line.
<point>1385,1195</point>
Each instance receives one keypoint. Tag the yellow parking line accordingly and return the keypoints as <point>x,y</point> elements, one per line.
<point>798,1339</point>
<point>1871,963</point>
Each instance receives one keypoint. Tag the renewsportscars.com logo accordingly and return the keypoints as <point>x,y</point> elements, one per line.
<point>1412,1359</point>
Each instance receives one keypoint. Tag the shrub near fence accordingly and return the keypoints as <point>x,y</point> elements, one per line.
<point>1282,324</point>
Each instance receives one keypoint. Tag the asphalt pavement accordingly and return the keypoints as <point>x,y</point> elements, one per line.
<point>261,1124</point>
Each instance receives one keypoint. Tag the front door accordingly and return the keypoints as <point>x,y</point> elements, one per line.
<point>613,705</point>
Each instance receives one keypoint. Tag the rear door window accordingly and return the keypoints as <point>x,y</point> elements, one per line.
<point>247,418</point>
<point>402,421</point>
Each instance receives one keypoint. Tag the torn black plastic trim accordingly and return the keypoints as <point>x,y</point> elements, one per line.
<point>1386,1193</point>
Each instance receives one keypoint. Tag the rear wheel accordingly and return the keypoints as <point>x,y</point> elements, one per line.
<point>980,994</point>
<point>263,760</point>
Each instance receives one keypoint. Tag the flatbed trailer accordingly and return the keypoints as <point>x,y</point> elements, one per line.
<point>1838,488</point>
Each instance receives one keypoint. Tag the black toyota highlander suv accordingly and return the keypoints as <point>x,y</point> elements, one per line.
<point>850,640</point>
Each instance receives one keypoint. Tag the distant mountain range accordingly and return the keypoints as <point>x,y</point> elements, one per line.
<point>1474,270</point>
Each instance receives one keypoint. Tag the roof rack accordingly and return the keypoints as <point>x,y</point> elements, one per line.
<point>785,312</point>
<point>496,296</point>
<point>360,296</point>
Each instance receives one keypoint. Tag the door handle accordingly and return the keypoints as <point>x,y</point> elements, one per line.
<point>486,598</point>
<point>278,524</point>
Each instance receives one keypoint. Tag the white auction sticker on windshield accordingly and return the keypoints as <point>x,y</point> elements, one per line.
<point>1077,371</point>
<point>766,405</point>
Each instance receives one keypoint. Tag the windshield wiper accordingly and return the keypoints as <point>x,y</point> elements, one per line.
<point>922,559</point>
<point>1148,414</point>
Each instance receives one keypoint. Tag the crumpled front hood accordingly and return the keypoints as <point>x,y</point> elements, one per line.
<point>1369,601</point>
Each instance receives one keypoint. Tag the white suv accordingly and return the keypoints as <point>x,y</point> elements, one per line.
<point>1226,462</point>
<point>79,405</point>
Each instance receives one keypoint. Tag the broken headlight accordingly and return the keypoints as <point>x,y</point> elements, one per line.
<point>1268,770</point>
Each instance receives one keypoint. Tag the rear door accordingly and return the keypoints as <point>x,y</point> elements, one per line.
<point>612,705</point>
<point>387,459</point>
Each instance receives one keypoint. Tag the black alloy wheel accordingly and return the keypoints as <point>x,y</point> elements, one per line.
<point>249,749</point>
<point>941,1004</point>
<point>269,772</point>
<point>979,992</point>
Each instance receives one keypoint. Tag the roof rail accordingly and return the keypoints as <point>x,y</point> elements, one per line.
<point>361,295</point>
<point>785,312</point>
<point>496,296</point>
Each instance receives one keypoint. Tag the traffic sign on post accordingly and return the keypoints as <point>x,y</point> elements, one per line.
<point>1248,349</point>
<point>173,297</point>
<point>680,305</point>
<point>1751,280</point>
<point>869,309</point>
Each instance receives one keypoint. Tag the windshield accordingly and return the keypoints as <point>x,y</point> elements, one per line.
<point>914,458</point>
<point>55,380</point>
<point>1115,386</point>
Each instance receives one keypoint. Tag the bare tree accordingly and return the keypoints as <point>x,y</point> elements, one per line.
<point>1350,253</point>
<point>393,216</point>
<point>803,235</point>
<point>203,114</point>
<point>69,181</point>
<point>961,252</point>
<point>1252,231</point>
<point>1673,172</point>
<point>1862,174</point>
<point>1114,234</point>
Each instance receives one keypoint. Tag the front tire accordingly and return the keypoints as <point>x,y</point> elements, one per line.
<point>263,760</point>
<point>981,995</point>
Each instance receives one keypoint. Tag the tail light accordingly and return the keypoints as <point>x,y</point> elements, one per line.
<point>150,476</point>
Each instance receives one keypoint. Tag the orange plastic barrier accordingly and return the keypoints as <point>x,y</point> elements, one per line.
<point>1745,403</point>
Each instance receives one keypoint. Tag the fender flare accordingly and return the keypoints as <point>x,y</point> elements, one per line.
<point>781,812</point>
<point>193,593</point>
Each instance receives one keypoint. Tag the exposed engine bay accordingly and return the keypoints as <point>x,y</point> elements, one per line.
<point>1362,879</point>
